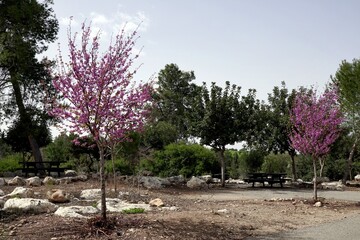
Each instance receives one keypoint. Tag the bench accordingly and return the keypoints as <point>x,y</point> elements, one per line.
<point>47,166</point>
<point>270,178</point>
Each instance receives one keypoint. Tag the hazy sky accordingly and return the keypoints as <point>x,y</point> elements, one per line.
<point>254,44</point>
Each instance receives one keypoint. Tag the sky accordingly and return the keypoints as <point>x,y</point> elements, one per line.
<point>251,43</point>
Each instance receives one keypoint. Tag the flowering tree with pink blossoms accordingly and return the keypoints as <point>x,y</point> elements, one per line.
<point>315,125</point>
<point>98,96</point>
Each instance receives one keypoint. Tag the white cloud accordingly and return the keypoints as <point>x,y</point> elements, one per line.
<point>66,21</point>
<point>97,18</point>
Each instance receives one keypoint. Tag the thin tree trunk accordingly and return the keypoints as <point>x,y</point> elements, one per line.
<point>102,182</point>
<point>349,162</point>
<point>24,118</point>
<point>293,167</point>
<point>113,166</point>
<point>222,163</point>
<point>315,180</point>
<point>322,164</point>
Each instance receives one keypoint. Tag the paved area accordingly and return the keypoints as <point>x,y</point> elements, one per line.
<point>345,229</point>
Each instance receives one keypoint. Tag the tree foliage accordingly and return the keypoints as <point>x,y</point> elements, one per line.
<point>315,125</point>
<point>223,117</point>
<point>100,98</point>
<point>174,97</point>
<point>347,81</point>
<point>26,27</point>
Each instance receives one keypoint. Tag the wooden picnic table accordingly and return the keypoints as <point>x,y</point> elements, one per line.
<point>270,178</point>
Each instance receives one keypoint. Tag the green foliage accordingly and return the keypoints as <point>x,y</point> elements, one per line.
<point>10,163</point>
<point>121,165</point>
<point>184,159</point>
<point>276,163</point>
<point>133,210</point>
<point>254,160</point>
<point>5,149</point>
<point>160,134</point>
<point>59,149</point>
<point>236,163</point>
<point>173,98</point>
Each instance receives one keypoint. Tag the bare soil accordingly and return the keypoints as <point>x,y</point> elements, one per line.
<point>195,218</point>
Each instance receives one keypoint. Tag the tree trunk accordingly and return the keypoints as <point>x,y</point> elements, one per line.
<point>113,166</point>
<point>349,162</point>
<point>322,164</point>
<point>222,163</point>
<point>102,182</point>
<point>24,117</point>
<point>293,166</point>
<point>315,180</point>
<point>37,155</point>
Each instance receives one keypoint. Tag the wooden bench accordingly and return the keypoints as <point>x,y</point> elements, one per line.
<point>47,166</point>
<point>270,178</point>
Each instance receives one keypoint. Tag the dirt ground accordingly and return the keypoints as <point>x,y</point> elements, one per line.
<point>194,219</point>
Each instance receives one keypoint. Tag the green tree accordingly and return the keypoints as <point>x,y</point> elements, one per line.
<point>347,80</point>
<point>280,104</point>
<point>223,117</point>
<point>25,29</point>
<point>173,98</point>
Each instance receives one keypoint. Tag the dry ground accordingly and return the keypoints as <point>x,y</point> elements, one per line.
<point>195,219</point>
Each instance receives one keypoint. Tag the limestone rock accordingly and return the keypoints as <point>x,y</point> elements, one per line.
<point>50,181</point>
<point>70,173</point>
<point>177,180</point>
<point>2,202</point>
<point>154,182</point>
<point>21,192</point>
<point>1,193</point>
<point>26,204</point>
<point>2,182</point>
<point>76,211</point>
<point>17,181</point>
<point>318,204</point>
<point>339,186</point>
<point>33,182</point>
<point>195,182</point>
<point>157,202</point>
<point>357,177</point>
<point>172,208</point>
<point>206,178</point>
<point>90,194</point>
<point>57,196</point>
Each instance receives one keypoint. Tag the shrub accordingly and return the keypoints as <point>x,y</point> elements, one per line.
<point>276,163</point>
<point>182,159</point>
<point>121,165</point>
<point>10,163</point>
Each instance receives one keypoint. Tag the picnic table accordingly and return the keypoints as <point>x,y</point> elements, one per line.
<point>270,178</point>
<point>47,166</point>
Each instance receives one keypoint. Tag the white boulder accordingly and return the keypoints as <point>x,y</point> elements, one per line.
<point>76,211</point>
<point>154,182</point>
<point>195,182</point>
<point>26,204</point>
<point>21,192</point>
<point>90,193</point>
<point>17,181</point>
<point>357,177</point>
<point>33,182</point>
<point>70,173</point>
<point>48,180</point>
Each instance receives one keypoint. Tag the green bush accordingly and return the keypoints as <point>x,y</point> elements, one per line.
<point>236,166</point>
<point>276,163</point>
<point>121,165</point>
<point>10,163</point>
<point>184,159</point>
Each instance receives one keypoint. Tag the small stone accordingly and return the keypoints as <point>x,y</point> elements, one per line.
<point>157,202</point>
<point>12,233</point>
<point>318,204</point>
<point>223,211</point>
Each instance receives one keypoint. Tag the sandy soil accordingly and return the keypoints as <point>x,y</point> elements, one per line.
<point>197,218</point>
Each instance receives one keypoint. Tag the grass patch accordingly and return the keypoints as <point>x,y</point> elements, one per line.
<point>133,210</point>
